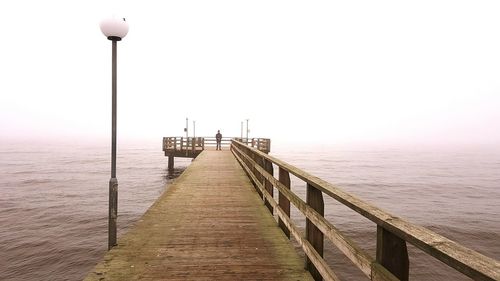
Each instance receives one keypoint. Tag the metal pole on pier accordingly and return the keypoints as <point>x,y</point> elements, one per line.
<point>247,131</point>
<point>114,29</point>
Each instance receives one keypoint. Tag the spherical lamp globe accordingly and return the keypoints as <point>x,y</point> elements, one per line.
<point>114,28</point>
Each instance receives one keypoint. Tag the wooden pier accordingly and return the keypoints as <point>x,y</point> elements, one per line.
<point>209,225</point>
<point>192,147</point>
<point>216,223</point>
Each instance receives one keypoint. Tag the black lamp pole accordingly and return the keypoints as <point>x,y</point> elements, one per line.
<point>114,29</point>
<point>113,182</point>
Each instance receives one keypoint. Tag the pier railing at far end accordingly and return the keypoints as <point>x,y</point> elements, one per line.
<point>192,146</point>
<point>391,262</point>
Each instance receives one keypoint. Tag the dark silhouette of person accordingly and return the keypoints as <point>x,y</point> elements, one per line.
<point>218,138</point>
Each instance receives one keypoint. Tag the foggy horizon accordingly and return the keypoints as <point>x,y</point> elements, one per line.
<point>385,73</point>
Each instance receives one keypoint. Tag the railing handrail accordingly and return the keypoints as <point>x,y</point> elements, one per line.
<point>200,137</point>
<point>464,260</point>
<point>183,143</point>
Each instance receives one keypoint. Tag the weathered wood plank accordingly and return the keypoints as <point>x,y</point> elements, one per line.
<point>464,260</point>
<point>314,198</point>
<point>359,257</point>
<point>209,225</point>
<point>380,273</point>
<point>284,203</point>
<point>255,173</point>
<point>392,254</point>
<point>325,271</point>
<point>268,167</point>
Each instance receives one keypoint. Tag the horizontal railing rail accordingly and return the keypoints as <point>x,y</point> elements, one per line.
<point>199,143</point>
<point>391,261</point>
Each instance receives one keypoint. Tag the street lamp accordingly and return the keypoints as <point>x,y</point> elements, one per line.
<point>247,131</point>
<point>114,29</point>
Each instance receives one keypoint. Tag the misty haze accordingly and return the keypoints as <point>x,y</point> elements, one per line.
<point>395,104</point>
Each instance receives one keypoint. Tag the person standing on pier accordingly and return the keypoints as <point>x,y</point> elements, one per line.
<point>218,138</point>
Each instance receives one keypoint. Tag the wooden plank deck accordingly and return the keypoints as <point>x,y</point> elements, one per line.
<point>209,225</point>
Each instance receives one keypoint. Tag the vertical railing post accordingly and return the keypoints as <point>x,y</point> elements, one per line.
<point>258,176</point>
<point>314,198</point>
<point>251,155</point>
<point>268,167</point>
<point>392,253</point>
<point>284,178</point>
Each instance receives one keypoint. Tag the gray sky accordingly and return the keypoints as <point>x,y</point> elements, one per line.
<point>323,71</point>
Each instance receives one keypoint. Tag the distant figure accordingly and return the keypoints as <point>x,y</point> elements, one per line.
<point>218,138</point>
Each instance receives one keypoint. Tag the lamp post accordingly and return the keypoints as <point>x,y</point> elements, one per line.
<point>247,131</point>
<point>114,29</point>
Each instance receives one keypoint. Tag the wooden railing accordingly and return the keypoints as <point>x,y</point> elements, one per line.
<point>261,144</point>
<point>182,143</point>
<point>391,261</point>
<point>199,143</point>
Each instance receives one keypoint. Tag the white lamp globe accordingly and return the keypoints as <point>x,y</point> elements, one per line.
<point>114,28</point>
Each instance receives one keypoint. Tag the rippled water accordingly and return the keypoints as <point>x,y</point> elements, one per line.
<point>452,191</point>
<point>53,203</point>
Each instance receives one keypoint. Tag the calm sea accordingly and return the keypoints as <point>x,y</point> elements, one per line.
<point>53,200</point>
